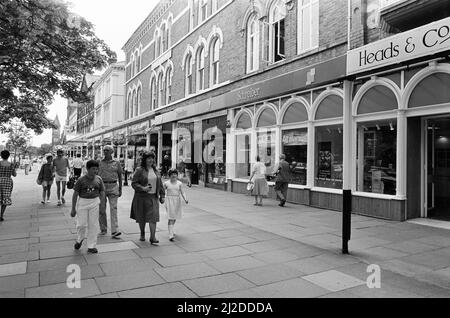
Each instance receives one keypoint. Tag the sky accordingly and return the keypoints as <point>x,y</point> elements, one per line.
<point>114,21</point>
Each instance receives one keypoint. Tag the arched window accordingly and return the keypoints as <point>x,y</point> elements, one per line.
<point>161,98</point>
<point>433,90</point>
<point>129,105</point>
<point>277,15</point>
<point>331,106</point>
<point>377,99</point>
<point>244,122</point>
<point>168,83</point>
<point>157,43</point>
<point>153,94</point>
<point>214,58</point>
<point>138,101</point>
<point>296,113</point>
<point>188,76</point>
<point>202,10</point>
<point>252,44</point>
<point>308,25</point>
<point>135,104</point>
<point>213,6</point>
<point>200,69</point>
<point>163,38</point>
<point>267,119</point>
<point>137,63</point>
<point>132,65</point>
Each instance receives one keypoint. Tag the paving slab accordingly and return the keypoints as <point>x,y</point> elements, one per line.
<point>61,276</point>
<point>55,264</point>
<point>115,247</point>
<point>171,290</point>
<point>128,266</point>
<point>226,252</point>
<point>13,269</point>
<point>273,257</point>
<point>185,272</point>
<point>433,260</point>
<point>217,284</point>
<point>88,288</point>
<point>411,247</point>
<point>180,259</point>
<point>128,281</point>
<point>13,294</point>
<point>294,288</point>
<point>404,268</point>
<point>236,264</point>
<point>270,274</point>
<point>110,257</point>
<point>18,282</point>
<point>159,251</point>
<point>334,280</point>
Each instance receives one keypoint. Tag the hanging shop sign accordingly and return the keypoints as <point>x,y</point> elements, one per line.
<point>426,40</point>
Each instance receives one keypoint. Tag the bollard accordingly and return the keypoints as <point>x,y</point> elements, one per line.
<point>346,220</point>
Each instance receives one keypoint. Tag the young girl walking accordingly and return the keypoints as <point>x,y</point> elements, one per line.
<point>46,179</point>
<point>174,194</point>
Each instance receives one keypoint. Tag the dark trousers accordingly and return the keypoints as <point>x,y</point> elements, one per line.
<point>126,178</point>
<point>281,188</point>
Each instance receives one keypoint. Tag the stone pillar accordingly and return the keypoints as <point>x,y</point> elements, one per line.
<point>402,132</point>
<point>348,132</point>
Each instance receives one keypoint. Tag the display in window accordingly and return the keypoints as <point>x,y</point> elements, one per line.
<point>329,154</point>
<point>295,147</point>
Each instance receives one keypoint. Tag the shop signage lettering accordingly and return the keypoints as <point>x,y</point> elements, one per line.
<point>430,39</point>
<point>292,139</point>
<point>138,128</point>
<point>249,94</point>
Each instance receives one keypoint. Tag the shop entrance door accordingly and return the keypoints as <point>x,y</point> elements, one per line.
<point>437,161</point>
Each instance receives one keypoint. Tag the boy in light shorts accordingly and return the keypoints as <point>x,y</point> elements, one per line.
<point>89,193</point>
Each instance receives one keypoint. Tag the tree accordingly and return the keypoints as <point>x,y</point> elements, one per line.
<point>44,50</point>
<point>44,149</point>
<point>19,138</point>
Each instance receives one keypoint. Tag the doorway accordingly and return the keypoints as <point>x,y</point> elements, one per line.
<point>437,168</point>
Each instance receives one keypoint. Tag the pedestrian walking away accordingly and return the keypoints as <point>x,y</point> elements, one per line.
<point>89,194</point>
<point>283,177</point>
<point>77,166</point>
<point>129,169</point>
<point>7,171</point>
<point>26,164</point>
<point>45,179</point>
<point>259,182</point>
<point>174,194</point>
<point>110,171</point>
<point>149,192</point>
<point>61,166</point>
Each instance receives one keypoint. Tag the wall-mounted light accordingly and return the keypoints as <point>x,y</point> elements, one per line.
<point>392,126</point>
<point>339,131</point>
<point>378,127</point>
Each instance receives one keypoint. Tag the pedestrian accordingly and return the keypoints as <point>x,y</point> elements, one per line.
<point>78,166</point>
<point>129,169</point>
<point>174,194</point>
<point>46,178</point>
<point>166,163</point>
<point>111,173</point>
<point>149,192</point>
<point>26,163</point>
<point>283,177</point>
<point>7,170</point>
<point>60,167</point>
<point>258,179</point>
<point>89,194</point>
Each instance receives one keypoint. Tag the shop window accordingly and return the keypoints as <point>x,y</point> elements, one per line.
<point>308,23</point>
<point>267,118</point>
<point>377,157</point>
<point>295,147</point>
<point>252,44</point>
<point>266,142</point>
<point>377,99</point>
<point>243,149</point>
<point>433,90</point>
<point>296,113</point>
<point>244,122</point>
<point>331,107</point>
<point>329,157</point>
<point>277,17</point>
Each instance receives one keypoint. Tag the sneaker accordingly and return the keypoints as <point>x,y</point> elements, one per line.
<point>116,235</point>
<point>103,233</point>
<point>48,201</point>
<point>92,251</point>
<point>59,203</point>
<point>43,202</point>
<point>63,201</point>
<point>77,245</point>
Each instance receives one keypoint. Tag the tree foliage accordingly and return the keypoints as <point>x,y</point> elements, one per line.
<point>44,50</point>
<point>19,137</point>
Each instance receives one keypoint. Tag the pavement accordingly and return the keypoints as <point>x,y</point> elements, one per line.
<point>225,248</point>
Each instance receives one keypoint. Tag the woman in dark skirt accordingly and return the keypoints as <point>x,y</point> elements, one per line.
<point>149,192</point>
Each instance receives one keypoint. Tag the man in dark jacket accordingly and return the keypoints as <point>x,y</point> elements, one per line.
<point>283,177</point>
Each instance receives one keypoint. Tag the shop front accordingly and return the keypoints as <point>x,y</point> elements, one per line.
<point>137,142</point>
<point>400,119</point>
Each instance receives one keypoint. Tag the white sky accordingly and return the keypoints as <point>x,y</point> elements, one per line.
<point>114,21</point>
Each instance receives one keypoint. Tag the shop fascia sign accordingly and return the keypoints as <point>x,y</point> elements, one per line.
<point>249,94</point>
<point>427,40</point>
<point>138,128</point>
